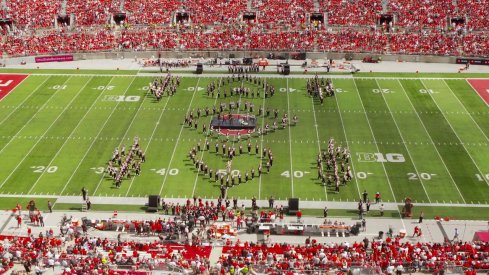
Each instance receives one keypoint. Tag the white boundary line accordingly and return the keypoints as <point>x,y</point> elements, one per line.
<point>271,75</point>
<point>346,141</point>
<point>205,140</point>
<point>32,117</point>
<point>151,137</point>
<point>475,90</point>
<point>123,137</point>
<point>290,140</point>
<point>178,138</point>
<point>317,136</point>
<point>45,132</point>
<point>403,142</point>
<point>453,130</point>
<point>66,140</point>
<point>95,139</point>
<point>261,141</point>
<point>463,106</point>
<point>432,142</point>
<point>377,146</point>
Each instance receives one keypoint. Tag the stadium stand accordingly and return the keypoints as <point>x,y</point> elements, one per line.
<point>33,14</point>
<point>352,13</point>
<point>418,27</point>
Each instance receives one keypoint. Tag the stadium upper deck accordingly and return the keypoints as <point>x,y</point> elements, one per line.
<point>442,27</point>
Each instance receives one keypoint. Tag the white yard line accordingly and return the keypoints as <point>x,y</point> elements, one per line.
<point>290,141</point>
<point>179,135</point>
<point>45,132</point>
<point>453,130</point>
<point>347,144</point>
<point>123,138</point>
<point>95,139</point>
<point>475,90</point>
<point>203,146</point>
<point>432,142</point>
<point>463,106</point>
<point>32,117</point>
<point>383,166</point>
<point>404,143</point>
<point>188,74</point>
<point>151,138</point>
<point>25,99</point>
<point>66,141</point>
<point>261,142</point>
<point>317,136</point>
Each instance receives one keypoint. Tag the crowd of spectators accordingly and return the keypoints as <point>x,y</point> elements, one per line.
<point>209,12</point>
<point>381,256</point>
<point>277,12</point>
<point>77,248</point>
<point>352,13</point>
<point>91,12</point>
<point>150,11</point>
<point>58,41</point>
<point>33,13</point>
<point>415,14</point>
<point>477,12</point>
<point>420,27</point>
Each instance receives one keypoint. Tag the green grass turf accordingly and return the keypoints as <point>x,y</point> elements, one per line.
<point>68,71</point>
<point>57,131</point>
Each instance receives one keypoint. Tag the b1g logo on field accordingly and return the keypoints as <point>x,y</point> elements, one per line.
<point>121,98</point>
<point>379,157</point>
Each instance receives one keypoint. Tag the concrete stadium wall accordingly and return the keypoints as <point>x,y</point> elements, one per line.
<point>240,54</point>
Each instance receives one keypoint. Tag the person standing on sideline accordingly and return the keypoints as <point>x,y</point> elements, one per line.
<point>89,204</point>
<point>325,212</point>
<point>455,235</point>
<point>50,207</point>
<point>364,225</point>
<point>84,193</point>
<point>381,209</point>
<point>365,195</point>
<point>377,197</point>
<point>421,216</point>
<point>271,201</point>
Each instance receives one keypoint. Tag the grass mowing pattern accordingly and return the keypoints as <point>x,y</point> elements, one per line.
<point>57,131</point>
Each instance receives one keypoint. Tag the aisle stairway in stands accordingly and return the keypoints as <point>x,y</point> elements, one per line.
<point>316,5</point>
<point>216,252</point>
<point>62,10</point>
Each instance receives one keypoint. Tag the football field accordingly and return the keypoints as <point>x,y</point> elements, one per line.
<point>423,138</point>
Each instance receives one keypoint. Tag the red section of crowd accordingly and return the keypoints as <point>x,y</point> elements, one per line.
<point>52,42</point>
<point>348,13</point>
<point>91,12</point>
<point>32,13</point>
<point>421,14</point>
<point>346,40</point>
<point>280,25</point>
<point>477,12</point>
<point>95,253</point>
<point>150,11</point>
<point>290,13</point>
<point>379,255</point>
<point>208,12</point>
